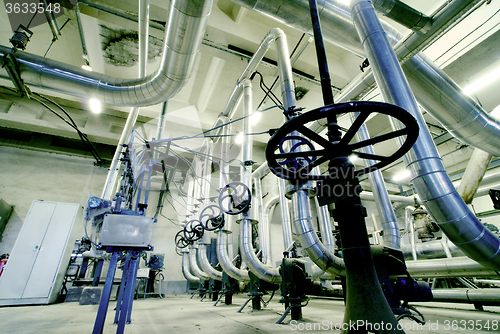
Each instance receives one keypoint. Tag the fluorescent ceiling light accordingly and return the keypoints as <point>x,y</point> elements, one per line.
<point>482,82</point>
<point>256,117</point>
<point>401,176</point>
<point>239,138</point>
<point>95,106</point>
<point>495,113</point>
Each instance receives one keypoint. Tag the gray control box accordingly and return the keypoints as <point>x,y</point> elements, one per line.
<point>126,231</point>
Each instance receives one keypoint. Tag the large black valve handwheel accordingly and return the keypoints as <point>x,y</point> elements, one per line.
<point>180,240</point>
<point>235,198</point>
<point>211,218</point>
<point>193,230</point>
<point>298,161</point>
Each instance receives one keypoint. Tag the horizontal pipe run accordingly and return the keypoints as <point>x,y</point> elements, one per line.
<point>488,297</point>
<point>186,27</point>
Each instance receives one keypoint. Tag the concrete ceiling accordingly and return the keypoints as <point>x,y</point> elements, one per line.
<point>466,53</point>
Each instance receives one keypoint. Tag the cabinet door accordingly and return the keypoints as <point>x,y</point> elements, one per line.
<point>26,250</point>
<point>46,267</point>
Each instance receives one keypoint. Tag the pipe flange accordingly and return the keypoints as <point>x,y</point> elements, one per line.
<point>253,221</point>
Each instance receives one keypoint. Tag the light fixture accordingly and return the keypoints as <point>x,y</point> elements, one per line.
<point>256,117</point>
<point>353,158</point>
<point>95,106</point>
<point>86,66</point>
<point>239,138</point>
<point>401,176</point>
<point>495,113</point>
<point>482,82</point>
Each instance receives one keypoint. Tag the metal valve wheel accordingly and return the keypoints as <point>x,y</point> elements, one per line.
<point>180,240</point>
<point>235,198</point>
<point>211,218</point>
<point>308,149</point>
<point>193,230</point>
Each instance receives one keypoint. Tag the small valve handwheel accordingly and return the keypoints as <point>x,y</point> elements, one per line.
<point>180,240</point>
<point>193,230</point>
<point>211,218</point>
<point>294,143</point>
<point>309,149</point>
<point>235,198</point>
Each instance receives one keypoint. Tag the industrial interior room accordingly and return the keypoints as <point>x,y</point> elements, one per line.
<point>250,166</point>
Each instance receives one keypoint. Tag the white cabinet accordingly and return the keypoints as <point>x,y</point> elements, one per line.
<point>38,261</point>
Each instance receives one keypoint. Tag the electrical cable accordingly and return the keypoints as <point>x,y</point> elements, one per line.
<point>71,123</point>
<point>277,77</point>
<point>470,33</point>
<point>265,89</point>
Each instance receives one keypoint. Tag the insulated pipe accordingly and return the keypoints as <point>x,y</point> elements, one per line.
<point>263,227</point>
<point>143,32</point>
<point>258,268</point>
<point>428,174</point>
<point>325,225</point>
<point>185,268</point>
<point>186,23</point>
<point>224,242</point>
<point>308,238</point>
<point>286,223</point>
<point>430,250</point>
<point>489,297</point>
<point>205,263</point>
<point>404,14</point>
<point>226,262</point>
<point>453,267</point>
<point>264,238</point>
<point>194,264</point>
<point>385,211</point>
<point>411,227</point>
<point>474,173</point>
<point>274,35</point>
<point>435,91</point>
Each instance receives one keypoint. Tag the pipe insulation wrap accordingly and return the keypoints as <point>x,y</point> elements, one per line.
<point>427,171</point>
<point>385,211</point>
<point>226,262</point>
<point>194,264</point>
<point>205,263</point>
<point>435,91</point>
<point>186,24</point>
<point>185,268</point>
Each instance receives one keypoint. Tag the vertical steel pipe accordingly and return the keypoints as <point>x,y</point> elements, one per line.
<point>385,211</point>
<point>258,268</point>
<point>428,174</point>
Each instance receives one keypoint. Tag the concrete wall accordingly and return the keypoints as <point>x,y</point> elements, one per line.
<point>27,175</point>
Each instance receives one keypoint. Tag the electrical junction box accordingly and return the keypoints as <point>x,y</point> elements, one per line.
<point>126,231</point>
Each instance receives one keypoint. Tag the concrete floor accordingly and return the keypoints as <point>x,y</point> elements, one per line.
<point>180,314</point>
